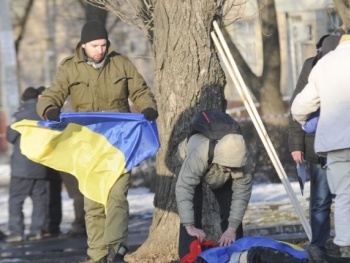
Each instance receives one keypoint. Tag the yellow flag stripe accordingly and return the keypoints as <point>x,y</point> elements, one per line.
<point>76,150</point>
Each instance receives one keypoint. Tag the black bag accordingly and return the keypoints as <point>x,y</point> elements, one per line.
<point>213,124</point>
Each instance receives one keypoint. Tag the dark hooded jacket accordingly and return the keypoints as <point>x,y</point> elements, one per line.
<point>298,139</point>
<point>21,166</point>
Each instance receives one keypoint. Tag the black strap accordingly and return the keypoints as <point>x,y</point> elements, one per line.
<point>212,144</point>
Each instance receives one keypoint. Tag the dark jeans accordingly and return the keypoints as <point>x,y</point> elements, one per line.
<point>224,196</point>
<point>320,206</point>
<point>20,189</point>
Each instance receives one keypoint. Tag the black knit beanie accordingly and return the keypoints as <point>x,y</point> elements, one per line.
<point>30,93</point>
<point>93,30</point>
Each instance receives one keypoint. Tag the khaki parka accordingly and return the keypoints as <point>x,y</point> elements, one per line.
<point>94,90</point>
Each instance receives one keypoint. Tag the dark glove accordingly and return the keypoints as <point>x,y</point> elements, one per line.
<point>150,114</point>
<point>52,114</point>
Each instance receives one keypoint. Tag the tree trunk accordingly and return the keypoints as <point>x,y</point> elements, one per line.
<point>188,78</point>
<point>267,87</point>
<point>271,102</point>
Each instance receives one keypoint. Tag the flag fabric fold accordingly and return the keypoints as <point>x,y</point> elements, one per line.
<point>96,147</point>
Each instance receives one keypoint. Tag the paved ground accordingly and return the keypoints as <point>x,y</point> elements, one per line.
<point>66,249</point>
<point>63,249</point>
<point>274,219</point>
<point>73,250</point>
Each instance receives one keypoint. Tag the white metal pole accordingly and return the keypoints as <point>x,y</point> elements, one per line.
<point>249,104</point>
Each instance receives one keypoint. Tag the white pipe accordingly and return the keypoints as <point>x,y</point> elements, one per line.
<point>252,111</point>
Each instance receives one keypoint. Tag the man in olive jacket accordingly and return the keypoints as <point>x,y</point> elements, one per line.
<point>228,176</point>
<point>98,79</point>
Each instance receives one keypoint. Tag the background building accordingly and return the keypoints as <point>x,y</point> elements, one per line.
<point>301,24</point>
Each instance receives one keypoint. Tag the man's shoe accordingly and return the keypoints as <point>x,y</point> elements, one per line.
<point>51,234</point>
<point>315,255</point>
<point>102,260</point>
<point>345,251</point>
<point>72,233</point>
<point>34,236</point>
<point>14,238</point>
<point>116,257</point>
<point>2,235</point>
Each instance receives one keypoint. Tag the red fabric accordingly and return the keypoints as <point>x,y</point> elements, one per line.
<point>196,247</point>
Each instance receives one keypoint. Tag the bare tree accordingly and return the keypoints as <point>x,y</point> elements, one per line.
<point>133,12</point>
<point>20,12</point>
<point>266,87</point>
<point>188,78</point>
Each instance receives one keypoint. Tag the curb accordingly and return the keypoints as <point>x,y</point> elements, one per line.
<point>279,231</point>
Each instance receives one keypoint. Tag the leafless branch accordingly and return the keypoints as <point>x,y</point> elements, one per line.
<point>22,23</point>
<point>233,10</point>
<point>132,12</point>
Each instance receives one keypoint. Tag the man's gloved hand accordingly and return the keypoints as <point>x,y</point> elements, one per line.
<point>150,114</point>
<point>52,114</point>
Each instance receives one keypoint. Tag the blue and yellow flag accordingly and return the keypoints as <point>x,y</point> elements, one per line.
<point>223,254</point>
<point>95,147</point>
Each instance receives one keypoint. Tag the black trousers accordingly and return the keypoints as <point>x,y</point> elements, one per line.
<point>19,190</point>
<point>54,216</point>
<point>224,196</point>
<point>269,255</point>
<point>72,187</point>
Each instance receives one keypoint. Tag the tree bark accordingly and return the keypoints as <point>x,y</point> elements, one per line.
<point>188,78</point>
<point>271,101</point>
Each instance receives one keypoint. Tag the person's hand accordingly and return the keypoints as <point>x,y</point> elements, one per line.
<point>52,114</point>
<point>228,237</point>
<point>297,156</point>
<point>196,232</point>
<point>150,114</point>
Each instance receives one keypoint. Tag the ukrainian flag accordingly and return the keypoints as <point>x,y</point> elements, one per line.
<point>223,254</point>
<point>96,147</point>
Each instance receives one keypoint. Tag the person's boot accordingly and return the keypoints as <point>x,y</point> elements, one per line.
<point>331,259</point>
<point>114,257</point>
<point>101,260</point>
<point>14,238</point>
<point>345,251</point>
<point>2,235</point>
<point>315,255</point>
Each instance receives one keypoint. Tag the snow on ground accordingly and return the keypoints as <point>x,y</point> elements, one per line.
<point>141,199</point>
